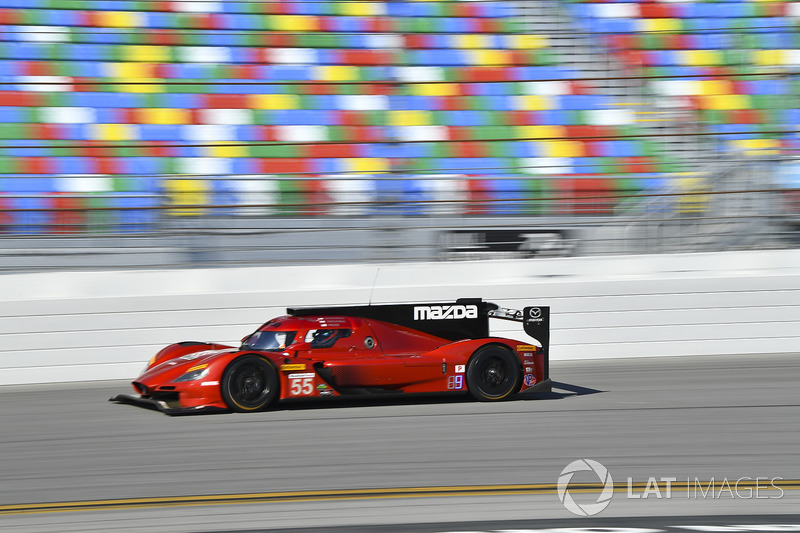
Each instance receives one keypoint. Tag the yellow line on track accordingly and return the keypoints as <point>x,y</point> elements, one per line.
<point>371,494</point>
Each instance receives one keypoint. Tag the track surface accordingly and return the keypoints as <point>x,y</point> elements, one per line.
<point>701,417</point>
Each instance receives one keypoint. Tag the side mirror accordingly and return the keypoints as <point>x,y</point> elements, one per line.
<point>301,347</point>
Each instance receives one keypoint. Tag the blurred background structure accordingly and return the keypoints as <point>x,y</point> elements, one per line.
<point>144,133</point>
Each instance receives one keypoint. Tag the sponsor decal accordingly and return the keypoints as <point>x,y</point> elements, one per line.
<point>455,382</point>
<point>327,392</point>
<point>202,353</point>
<point>526,348</point>
<point>460,369</point>
<point>209,383</point>
<point>193,356</point>
<point>528,369</point>
<point>445,312</point>
<point>291,368</point>
<point>535,316</point>
<point>529,380</point>
<point>301,384</point>
<point>332,322</point>
<point>322,386</point>
<point>302,376</point>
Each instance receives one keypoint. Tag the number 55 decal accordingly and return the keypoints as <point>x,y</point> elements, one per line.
<point>301,384</point>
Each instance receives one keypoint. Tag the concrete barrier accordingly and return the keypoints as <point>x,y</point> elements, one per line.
<point>75,326</point>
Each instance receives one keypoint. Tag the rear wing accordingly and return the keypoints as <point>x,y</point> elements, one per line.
<point>535,322</point>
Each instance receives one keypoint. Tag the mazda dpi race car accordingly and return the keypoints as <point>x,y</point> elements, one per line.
<point>327,352</point>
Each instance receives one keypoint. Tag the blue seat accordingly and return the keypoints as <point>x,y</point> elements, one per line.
<point>234,7</point>
<point>586,165</point>
<point>289,72</point>
<point>556,117</point>
<point>28,184</point>
<point>241,21</point>
<point>24,4</point>
<point>455,25</point>
<point>246,133</point>
<point>142,166</point>
<point>498,9</point>
<point>420,9</point>
<point>526,149</point>
<point>462,118</point>
<point>134,211</point>
<point>25,149</point>
<point>508,194</point>
<point>13,114</point>
<point>349,24</point>
<point>34,215</point>
<point>158,19</point>
<point>244,165</point>
<point>159,132</point>
<point>791,116</point>
<point>766,87</point>
<point>188,71</point>
<point>223,193</point>
<point>180,100</point>
<point>500,102</point>
<point>389,195</point>
<point>73,165</point>
<point>327,165</point>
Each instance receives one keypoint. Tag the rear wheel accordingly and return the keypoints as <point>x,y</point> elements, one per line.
<point>250,383</point>
<point>493,373</point>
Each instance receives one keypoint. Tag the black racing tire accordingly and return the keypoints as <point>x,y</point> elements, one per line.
<point>250,383</point>
<point>493,373</point>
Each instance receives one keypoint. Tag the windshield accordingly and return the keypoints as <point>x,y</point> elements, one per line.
<point>269,340</point>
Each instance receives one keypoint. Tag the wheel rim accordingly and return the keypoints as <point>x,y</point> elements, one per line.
<point>249,385</point>
<point>493,375</point>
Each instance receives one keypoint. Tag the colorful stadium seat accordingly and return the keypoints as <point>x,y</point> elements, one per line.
<point>142,105</point>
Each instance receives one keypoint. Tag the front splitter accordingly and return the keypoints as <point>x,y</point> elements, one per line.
<point>164,407</point>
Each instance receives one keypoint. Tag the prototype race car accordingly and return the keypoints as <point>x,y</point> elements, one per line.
<point>326,352</point>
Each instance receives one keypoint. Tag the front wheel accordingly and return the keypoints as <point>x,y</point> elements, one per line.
<point>250,383</point>
<point>493,373</point>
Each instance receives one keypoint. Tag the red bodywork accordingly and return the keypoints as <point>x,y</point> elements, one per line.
<point>371,357</point>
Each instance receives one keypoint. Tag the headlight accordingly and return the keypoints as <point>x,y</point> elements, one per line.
<point>193,374</point>
<point>149,364</point>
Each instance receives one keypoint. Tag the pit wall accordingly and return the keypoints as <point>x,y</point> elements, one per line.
<point>83,326</point>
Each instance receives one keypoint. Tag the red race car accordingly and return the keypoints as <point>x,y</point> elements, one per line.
<point>326,352</point>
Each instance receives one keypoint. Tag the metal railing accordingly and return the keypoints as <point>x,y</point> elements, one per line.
<point>471,223</point>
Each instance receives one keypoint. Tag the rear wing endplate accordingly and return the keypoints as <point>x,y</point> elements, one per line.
<point>535,322</point>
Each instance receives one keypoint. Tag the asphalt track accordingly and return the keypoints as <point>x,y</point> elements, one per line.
<point>80,463</point>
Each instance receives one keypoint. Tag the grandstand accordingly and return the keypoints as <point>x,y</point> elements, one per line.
<point>140,116</point>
